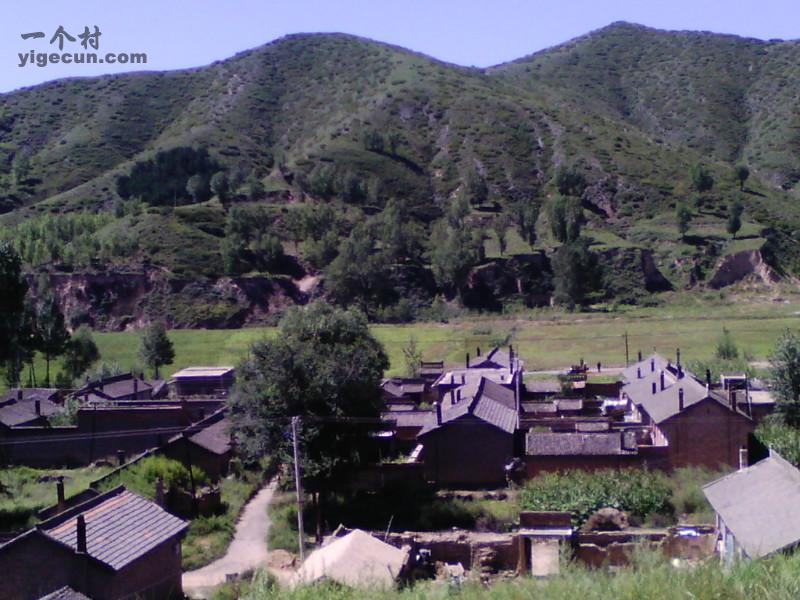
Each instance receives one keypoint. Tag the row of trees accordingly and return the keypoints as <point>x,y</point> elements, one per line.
<point>31,325</point>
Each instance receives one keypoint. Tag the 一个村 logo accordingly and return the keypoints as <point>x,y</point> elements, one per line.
<point>88,40</point>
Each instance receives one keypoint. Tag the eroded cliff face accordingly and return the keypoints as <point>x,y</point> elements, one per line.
<point>119,301</point>
<point>740,265</point>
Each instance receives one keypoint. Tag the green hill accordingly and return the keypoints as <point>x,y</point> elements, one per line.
<point>632,109</point>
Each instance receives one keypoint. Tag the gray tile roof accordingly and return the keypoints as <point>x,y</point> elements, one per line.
<point>759,504</point>
<point>491,403</point>
<point>65,593</point>
<point>215,438</point>
<point>543,386</point>
<point>576,444</point>
<point>17,414</point>
<point>664,404</point>
<point>408,418</point>
<point>28,394</point>
<point>495,357</point>
<point>120,527</point>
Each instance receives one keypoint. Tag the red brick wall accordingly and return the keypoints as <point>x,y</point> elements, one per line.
<point>467,453</point>
<point>706,434</point>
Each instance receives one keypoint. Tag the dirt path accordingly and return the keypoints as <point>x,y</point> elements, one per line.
<point>247,551</point>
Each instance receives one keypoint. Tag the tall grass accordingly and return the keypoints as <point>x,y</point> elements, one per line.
<point>650,578</point>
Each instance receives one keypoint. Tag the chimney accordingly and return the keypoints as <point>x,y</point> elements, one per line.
<point>467,362</point>
<point>463,379</point>
<point>121,457</point>
<point>135,387</point>
<point>742,457</point>
<point>19,394</point>
<point>37,407</point>
<point>661,377</point>
<point>652,365</point>
<point>478,351</point>
<point>60,492</point>
<point>81,527</point>
<point>680,399</point>
<point>732,398</point>
<point>638,372</point>
<point>678,357</point>
<point>453,395</point>
<point>708,377</point>
<point>438,413</point>
<point>458,395</point>
<point>640,356</point>
<point>654,387</point>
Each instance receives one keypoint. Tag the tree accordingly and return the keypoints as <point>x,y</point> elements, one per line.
<point>373,141</point>
<point>325,367</point>
<point>565,216</point>
<point>683,216</point>
<point>412,356</point>
<point>726,347</point>
<point>571,264</point>
<point>220,185</point>
<point>475,187</point>
<point>785,376</point>
<point>742,173</point>
<point>52,331</point>
<point>453,252</point>
<point>155,349</point>
<point>255,188</point>
<point>359,273</point>
<point>80,353</point>
<point>13,288</point>
<point>568,181</point>
<point>500,227</point>
<point>400,237</point>
<point>702,180</point>
<point>525,213</point>
<point>734,218</point>
<point>197,188</point>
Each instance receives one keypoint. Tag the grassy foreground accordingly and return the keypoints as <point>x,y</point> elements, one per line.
<point>651,578</point>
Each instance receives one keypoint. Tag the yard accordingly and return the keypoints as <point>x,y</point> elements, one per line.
<point>24,491</point>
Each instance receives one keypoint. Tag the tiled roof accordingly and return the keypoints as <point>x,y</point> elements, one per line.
<point>408,418</point>
<point>215,438</point>
<point>495,356</point>
<point>120,527</point>
<point>23,413</point>
<point>28,394</point>
<point>664,404</point>
<point>759,505</point>
<point>490,402</point>
<point>399,387</point>
<point>65,593</point>
<point>576,444</point>
<point>543,386</point>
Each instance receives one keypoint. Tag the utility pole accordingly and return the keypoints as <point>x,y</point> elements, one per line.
<point>298,487</point>
<point>627,361</point>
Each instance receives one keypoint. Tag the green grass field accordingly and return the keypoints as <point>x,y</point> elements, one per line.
<point>545,339</point>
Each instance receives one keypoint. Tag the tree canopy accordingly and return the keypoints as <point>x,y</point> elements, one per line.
<point>156,349</point>
<point>785,376</point>
<point>325,366</point>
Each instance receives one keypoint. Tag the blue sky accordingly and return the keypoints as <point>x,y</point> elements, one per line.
<point>177,34</point>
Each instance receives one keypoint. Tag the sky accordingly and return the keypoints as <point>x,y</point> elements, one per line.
<point>178,34</point>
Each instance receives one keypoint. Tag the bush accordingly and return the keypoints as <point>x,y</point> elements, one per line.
<point>637,491</point>
<point>141,477</point>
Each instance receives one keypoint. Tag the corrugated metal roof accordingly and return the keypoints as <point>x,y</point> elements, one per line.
<point>120,527</point>
<point>759,504</point>
<point>203,372</point>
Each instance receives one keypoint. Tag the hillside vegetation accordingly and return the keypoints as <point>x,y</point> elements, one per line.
<point>313,134</point>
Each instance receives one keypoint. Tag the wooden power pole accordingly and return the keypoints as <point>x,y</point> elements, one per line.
<point>298,488</point>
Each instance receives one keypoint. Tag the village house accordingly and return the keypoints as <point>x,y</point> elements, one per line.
<point>120,388</point>
<point>756,509</point>
<point>693,423</point>
<point>469,438</point>
<point>115,545</point>
<point>26,407</point>
<point>202,381</point>
<point>206,444</point>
